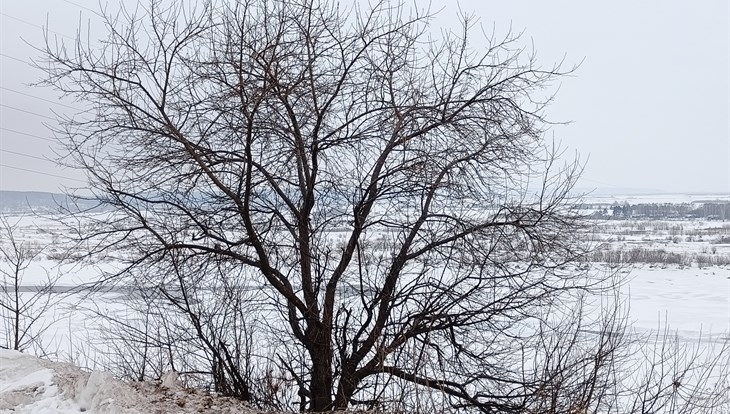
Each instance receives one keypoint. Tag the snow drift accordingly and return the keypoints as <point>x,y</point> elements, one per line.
<point>32,385</point>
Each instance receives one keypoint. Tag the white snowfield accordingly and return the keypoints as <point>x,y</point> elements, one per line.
<point>31,385</point>
<point>687,303</point>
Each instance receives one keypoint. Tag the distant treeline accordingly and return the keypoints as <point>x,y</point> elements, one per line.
<point>714,211</point>
<point>27,202</point>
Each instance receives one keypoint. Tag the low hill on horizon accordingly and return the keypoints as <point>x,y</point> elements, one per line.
<point>41,202</point>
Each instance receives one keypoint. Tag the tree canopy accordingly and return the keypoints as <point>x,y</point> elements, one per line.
<point>331,206</point>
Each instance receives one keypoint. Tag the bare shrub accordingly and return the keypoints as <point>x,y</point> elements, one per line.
<point>24,307</point>
<point>639,255</point>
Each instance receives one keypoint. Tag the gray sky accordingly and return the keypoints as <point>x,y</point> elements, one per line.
<point>649,105</point>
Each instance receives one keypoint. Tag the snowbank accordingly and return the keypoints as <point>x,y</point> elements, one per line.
<point>32,385</point>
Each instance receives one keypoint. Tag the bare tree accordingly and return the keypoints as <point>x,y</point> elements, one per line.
<point>339,207</point>
<point>24,308</point>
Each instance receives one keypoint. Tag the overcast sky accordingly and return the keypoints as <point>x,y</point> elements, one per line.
<point>649,105</point>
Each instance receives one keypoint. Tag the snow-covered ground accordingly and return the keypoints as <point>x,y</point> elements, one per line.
<point>694,303</point>
<point>35,386</point>
<point>689,301</point>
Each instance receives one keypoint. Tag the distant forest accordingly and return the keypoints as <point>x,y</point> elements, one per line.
<point>709,210</point>
<point>41,202</point>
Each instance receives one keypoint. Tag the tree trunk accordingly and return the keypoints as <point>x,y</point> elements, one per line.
<point>321,382</point>
<point>346,387</point>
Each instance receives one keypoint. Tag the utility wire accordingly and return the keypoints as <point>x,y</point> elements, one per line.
<point>14,58</point>
<point>26,155</point>
<point>35,25</point>
<point>39,98</point>
<point>84,7</point>
<point>27,134</point>
<point>40,172</point>
<point>77,38</point>
<point>27,112</point>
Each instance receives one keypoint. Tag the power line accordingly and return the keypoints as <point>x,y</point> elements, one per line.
<point>39,98</point>
<point>35,25</point>
<point>40,172</point>
<point>77,38</point>
<point>84,7</point>
<point>25,155</point>
<point>14,58</point>
<point>27,134</point>
<point>27,112</point>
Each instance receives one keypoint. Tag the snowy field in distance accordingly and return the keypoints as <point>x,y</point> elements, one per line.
<point>693,300</point>
<point>690,300</point>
